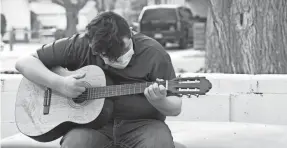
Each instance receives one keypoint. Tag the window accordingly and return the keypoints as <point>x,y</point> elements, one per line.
<point>161,14</point>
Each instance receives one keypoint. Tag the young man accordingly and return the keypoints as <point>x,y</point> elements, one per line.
<point>136,121</point>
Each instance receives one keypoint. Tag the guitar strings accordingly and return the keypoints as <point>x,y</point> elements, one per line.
<point>114,90</point>
<point>107,93</point>
<point>110,91</point>
<point>99,96</point>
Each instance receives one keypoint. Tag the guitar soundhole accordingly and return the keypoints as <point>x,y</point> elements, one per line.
<point>81,98</point>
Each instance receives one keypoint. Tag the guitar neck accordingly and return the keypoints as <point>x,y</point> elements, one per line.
<point>118,90</point>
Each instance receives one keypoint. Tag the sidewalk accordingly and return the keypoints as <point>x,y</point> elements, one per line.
<point>19,49</point>
<point>8,58</point>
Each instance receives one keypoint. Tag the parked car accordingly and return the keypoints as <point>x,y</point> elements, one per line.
<point>167,23</point>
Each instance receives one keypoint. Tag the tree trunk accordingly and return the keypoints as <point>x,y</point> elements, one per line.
<point>72,10</point>
<point>72,21</point>
<point>247,36</point>
<point>100,5</point>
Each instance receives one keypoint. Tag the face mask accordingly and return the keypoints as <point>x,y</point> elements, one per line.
<point>122,61</point>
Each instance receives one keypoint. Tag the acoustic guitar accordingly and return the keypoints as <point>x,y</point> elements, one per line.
<point>45,115</point>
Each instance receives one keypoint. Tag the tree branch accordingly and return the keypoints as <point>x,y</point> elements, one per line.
<point>59,2</point>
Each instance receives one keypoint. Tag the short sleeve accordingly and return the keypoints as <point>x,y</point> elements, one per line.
<point>163,69</point>
<point>63,52</point>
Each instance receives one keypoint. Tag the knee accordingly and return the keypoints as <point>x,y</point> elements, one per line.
<point>160,132</point>
<point>158,127</point>
<point>77,138</point>
<point>149,134</point>
<point>74,138</point>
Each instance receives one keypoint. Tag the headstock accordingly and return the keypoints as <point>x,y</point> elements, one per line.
<point>188,86</point>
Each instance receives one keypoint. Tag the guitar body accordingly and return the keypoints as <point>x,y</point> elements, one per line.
<point>64,113</point>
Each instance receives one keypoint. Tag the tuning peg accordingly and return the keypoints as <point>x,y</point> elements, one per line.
<point>179,95</point>
<point>197,95</point>
<point>189,95</point>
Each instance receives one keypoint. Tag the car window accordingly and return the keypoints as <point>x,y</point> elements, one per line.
<point>164,14</point>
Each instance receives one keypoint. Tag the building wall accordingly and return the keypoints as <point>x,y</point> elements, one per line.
<point>17,14</point>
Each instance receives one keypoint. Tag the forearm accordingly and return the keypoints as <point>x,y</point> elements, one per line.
<point>34,70</point>
<point>170,106</point>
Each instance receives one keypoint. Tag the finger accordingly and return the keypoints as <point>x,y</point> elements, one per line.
<point>162,90</point>
<point>78,93</point>
<point>80,83</point>
<point>159,81</point>
<point>151,92</point>
<point>146,93</point>
<point>156,89</point>
<point>79,76</point>
<point>75,95</point>
<point>80,89</point>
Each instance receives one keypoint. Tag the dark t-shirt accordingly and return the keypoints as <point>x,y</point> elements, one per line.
<point>149,62</point>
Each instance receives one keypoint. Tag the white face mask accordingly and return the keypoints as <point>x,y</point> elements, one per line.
<point>122,61</point>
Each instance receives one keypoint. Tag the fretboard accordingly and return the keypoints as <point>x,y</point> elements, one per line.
<point>117,90</point>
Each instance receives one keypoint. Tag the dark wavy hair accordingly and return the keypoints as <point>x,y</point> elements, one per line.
<point>105,33</point>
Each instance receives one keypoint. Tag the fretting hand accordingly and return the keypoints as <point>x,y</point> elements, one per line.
<point>155,92</point>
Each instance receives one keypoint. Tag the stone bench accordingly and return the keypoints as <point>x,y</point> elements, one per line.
<point>189,134</point>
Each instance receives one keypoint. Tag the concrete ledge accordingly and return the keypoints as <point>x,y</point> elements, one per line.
<point>264,108</point>
<point>204,108</point>
<point>244,83</point>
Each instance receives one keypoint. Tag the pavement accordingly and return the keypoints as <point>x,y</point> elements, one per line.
<point>8,58</point>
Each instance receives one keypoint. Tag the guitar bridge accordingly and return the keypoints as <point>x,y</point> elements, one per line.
<point>47,101</point>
